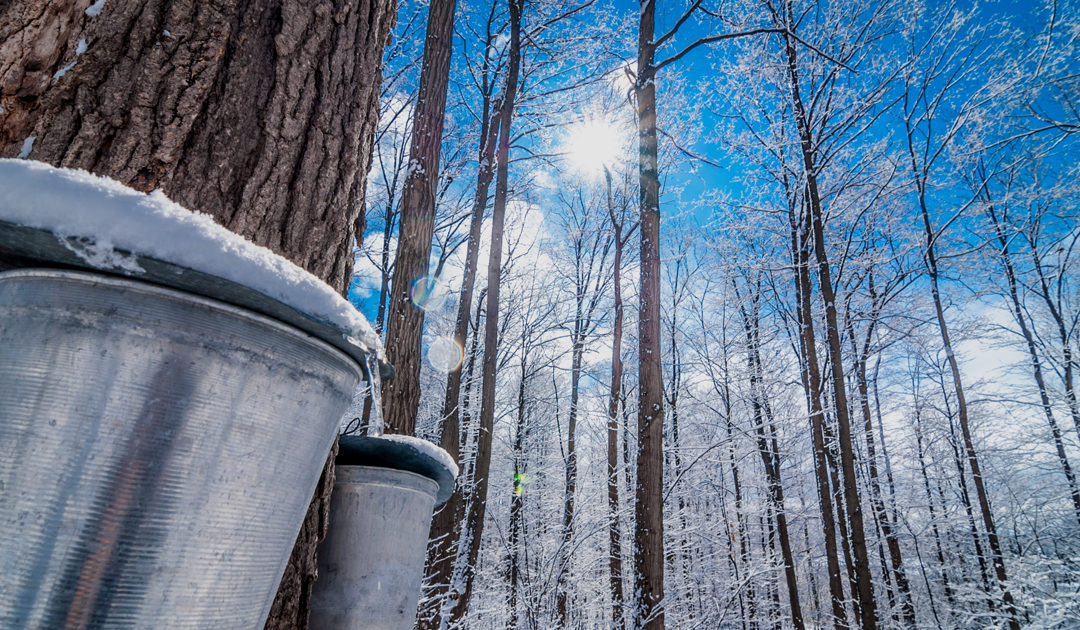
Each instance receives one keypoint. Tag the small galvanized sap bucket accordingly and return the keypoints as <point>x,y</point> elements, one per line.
<point>372,560</point>
<point>158,451</point>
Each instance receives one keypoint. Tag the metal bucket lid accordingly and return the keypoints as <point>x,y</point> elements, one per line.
<point>399,452</point>
<point>35,185</point>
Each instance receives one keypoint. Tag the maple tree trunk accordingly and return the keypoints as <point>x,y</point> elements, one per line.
<point>478,502</point>
<point>881,515</point>
<point>405,322</point>
<point>811,375</point>
<point>769,450</point>
<point>930,260</point>
<point>863,580</point>
<point>445,526</point>
<point>260,113</point>
<point>648,509</point>
<point>614,535</point>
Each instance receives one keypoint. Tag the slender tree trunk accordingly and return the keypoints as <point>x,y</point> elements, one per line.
<point>516,502</point>
<point>401,395</point>
<point>576,351</point>
<point>739,530</point>
<point>965,499</point>
<point>962,410</point>
<point>770,455</point>
<point>1067,360</point>
<point>649,534</point>
<point>1033,354</point>
<point>478,501</point>
<point>224,108</point>
<point>864,581</point>
<point>448,521</point>
<point>812,381</point>
<point>945,582</point>
<point>445,526</point>
<point>614,535</point>
<point>899,576</point>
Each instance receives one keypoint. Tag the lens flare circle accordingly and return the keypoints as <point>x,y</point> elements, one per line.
<point>444,354</point>
<point>427,293</point>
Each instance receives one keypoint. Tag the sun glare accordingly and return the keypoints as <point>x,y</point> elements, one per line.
<point>593,144</point>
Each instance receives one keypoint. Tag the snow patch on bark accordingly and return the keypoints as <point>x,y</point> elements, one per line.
<point>95,216</point>
<point>27,147</point>
<point>94,10</point>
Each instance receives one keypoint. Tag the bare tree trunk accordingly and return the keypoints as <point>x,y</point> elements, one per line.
<point>226,108</point>
<point>446,524</point>
<point>1067,361</point>
<point>961,402</point>
<point>812,381</point>
<point>648,512</point>
<point>401,395</point>
<point>880,513</point>
<point>478,501</point>
<point>614,535</point>
<point>864,581</point>
<point>945,583</point>
<point>516,498</point>
<point>769,451</point>
<point>1036,364</point>
<point>576,351</point>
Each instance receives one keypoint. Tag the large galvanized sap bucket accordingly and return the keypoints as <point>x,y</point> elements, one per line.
<point>372,560</point>
<point>158,451</point>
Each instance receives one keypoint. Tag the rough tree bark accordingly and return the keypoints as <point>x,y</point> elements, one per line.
<point>257,112</point>
<point>260,113</point>
<point>401,395</point>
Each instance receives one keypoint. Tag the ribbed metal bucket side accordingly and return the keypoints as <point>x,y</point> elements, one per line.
<point>158,451</point>
<point>372,560</point>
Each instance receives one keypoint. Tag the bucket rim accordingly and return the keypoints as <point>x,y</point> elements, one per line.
<point>23,247</point>
<point>398,454</point>
<point>87,277</point>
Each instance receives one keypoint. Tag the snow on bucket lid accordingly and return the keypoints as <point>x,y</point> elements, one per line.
<point>71,217</point>
<point>401,452</point>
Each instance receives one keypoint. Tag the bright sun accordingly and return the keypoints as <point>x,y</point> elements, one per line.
<point>592,145</point>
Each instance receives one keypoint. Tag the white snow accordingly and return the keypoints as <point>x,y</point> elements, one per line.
<point>94,216</point>
<point>94,10</point>
<point>426,448</point>
<point>80,48</point>
<point>27,147</point>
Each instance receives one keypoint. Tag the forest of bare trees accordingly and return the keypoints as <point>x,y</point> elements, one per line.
<point>780,322</point>
<point>744,314</point>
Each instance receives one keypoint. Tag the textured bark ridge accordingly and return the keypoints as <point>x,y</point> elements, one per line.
<point>258,112</point>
